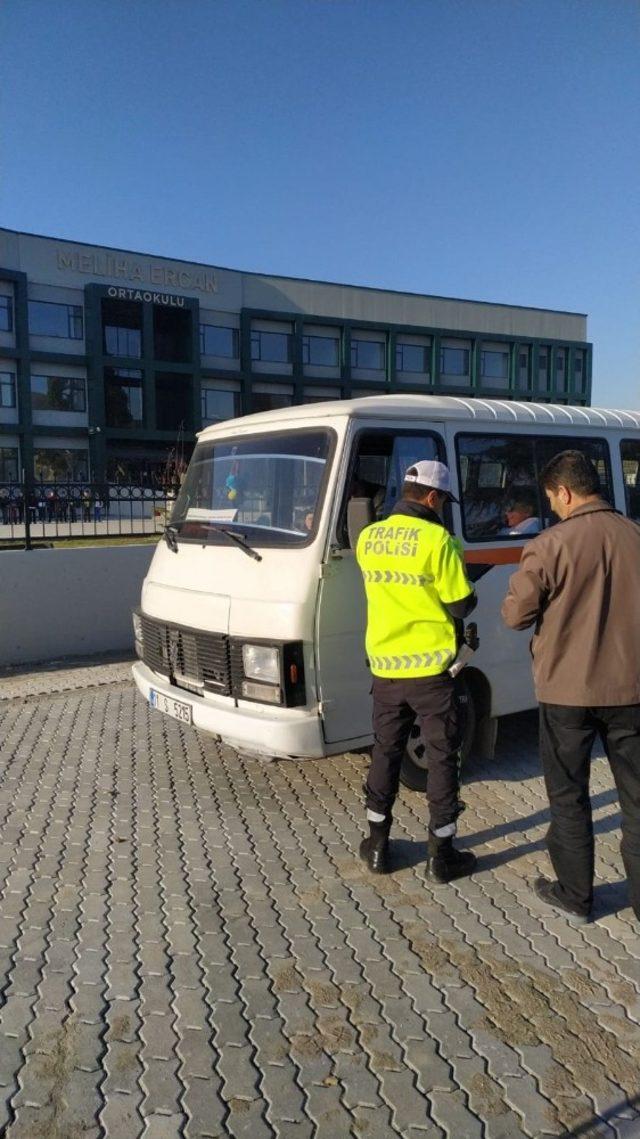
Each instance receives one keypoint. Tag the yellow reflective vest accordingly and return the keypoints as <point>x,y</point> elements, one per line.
<point>410,568</point>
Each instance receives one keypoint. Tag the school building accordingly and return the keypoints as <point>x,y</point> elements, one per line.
<point>111,361</point>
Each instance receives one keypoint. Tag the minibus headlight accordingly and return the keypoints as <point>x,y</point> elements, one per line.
<point>137,634</point>
<point>268,673</point>
<point>261,662</point>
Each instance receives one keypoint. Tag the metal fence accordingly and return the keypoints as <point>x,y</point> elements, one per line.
<point>38,513</point>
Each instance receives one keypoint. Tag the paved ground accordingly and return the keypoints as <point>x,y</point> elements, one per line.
<point>189,947</point>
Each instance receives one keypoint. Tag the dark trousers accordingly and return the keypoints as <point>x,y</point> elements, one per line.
<point>431,700</point>
<point>566,738</point>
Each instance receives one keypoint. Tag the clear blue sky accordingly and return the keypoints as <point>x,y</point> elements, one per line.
<point>471,148</point>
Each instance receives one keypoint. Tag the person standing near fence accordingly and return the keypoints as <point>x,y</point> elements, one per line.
<point>578,583</point>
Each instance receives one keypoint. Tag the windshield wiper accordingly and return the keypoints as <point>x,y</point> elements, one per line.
<point>170,535</point>
<point>241,542</point>
<point>171,532</point>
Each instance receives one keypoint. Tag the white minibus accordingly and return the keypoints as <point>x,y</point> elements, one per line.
<point>252,619</point>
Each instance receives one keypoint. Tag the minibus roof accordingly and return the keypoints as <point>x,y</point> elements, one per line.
<point>435,407</point>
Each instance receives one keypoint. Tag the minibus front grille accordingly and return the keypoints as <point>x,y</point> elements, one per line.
<point>237,667</point>
<point>192,659</point>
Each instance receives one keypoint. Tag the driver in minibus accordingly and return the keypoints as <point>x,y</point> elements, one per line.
<point>520,514</point>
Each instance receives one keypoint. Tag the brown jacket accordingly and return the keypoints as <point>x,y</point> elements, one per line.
<point>579,583</point>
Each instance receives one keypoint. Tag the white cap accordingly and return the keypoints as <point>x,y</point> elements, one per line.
<point>431,473</point>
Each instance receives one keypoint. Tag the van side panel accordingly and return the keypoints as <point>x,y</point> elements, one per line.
<point>345,680</point>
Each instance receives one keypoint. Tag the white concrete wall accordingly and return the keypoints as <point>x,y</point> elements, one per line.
<point>57,603</point>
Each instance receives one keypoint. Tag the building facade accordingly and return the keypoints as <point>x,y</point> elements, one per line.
<point>111,361</point>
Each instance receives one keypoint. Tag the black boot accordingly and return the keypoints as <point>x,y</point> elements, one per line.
<point>549,892</point>
<point>445,862</point>
<point>374,850</point>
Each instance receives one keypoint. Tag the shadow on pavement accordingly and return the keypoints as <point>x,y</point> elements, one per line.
<point>405,853</point>
<point>517,740</point>
<point>540,818</point>
<point>587,1128</point>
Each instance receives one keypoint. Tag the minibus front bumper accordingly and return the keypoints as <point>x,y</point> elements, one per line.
<point>275,733</point>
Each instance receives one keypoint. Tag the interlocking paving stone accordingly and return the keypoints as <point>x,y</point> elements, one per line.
<point>452,1114</point>
<point>120,1116</point>
<point>190,946</point>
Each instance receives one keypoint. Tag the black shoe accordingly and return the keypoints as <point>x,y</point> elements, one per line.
<point>546,890</point>
<point>445,862</point>
<point>374,850</point>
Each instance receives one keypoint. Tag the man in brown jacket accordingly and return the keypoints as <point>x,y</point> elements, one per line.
<point>579,584</point>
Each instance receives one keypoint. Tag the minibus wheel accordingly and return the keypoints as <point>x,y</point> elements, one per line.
<point>415,762</point>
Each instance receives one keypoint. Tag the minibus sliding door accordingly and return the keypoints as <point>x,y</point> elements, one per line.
<point>378,461</point>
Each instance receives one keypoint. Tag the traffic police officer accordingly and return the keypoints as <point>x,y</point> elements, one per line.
<point>417,589</point>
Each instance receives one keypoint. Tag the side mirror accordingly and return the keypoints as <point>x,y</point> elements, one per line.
<point>359,515</point>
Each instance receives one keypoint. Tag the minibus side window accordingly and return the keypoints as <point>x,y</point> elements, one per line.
<point>378,464</point>
<point>499,475</point>
<point>630,455</point>
<point>499,495</point>
<point>598,451</point>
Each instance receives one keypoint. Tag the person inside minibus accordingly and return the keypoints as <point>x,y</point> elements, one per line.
<point>483,512</point>
<point>362,488</point>
<point>521,514</point>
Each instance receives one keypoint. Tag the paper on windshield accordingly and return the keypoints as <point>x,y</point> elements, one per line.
<point>198,514</point>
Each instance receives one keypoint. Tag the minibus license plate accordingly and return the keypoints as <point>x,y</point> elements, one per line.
<point>170,707</point>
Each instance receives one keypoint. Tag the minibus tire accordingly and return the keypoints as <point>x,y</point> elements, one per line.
<point>415,762</point>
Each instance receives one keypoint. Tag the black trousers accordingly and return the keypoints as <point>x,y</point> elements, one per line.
<point>566,738</point>
<point>432,701</point>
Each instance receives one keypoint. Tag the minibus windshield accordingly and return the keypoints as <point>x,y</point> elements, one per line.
<point>268,487</point>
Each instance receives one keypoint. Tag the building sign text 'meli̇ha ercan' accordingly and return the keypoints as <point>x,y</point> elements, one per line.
<point>115,265</point>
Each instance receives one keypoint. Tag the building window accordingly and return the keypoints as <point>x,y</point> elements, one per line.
<point>454,361</point>
<point>6,314</point>
<point>218,341</point>
<point>218,405</point>
<point>269,401</point>
<point>47,318</point>
<point>321,351</point>
<point>60,464</point>
<point>543,368</point>
<point>271,347</point>
<point>579,372</point>
<point>524,358</point>
<point>121,328</point>
<point>119,341</point>
<point>174,406</point>
<point>123,397</point>
<point>8,464</point>
<point>413,358</point>
<point>560,364</point>
<point>320,395</point>
<point>7,389</point>
<point>494,365</point>
<point>172,334</point>
<point>367,354</point>
<point>58,393</point>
